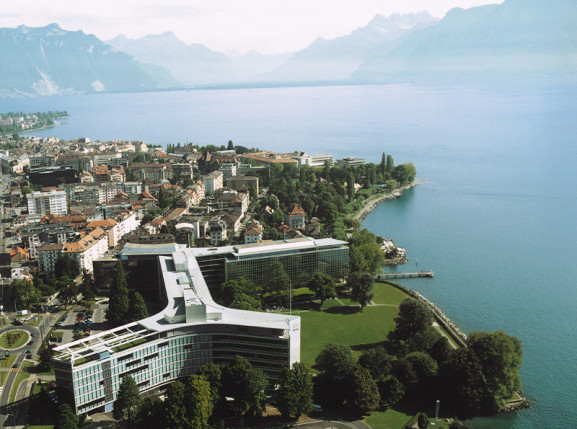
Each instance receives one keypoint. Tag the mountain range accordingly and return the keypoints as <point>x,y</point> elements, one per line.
<point>516,38</point>
<point>52,61</point>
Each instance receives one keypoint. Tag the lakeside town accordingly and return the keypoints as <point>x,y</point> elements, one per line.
<point>101,195</point>
<point>99,239</point>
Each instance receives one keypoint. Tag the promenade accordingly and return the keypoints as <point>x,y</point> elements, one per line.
<point>374,201</point>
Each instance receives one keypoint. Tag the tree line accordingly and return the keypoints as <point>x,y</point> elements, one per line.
<point>172,148</point>
<point>415,363</point>
<point>26,293</point>
<point>235,394</point>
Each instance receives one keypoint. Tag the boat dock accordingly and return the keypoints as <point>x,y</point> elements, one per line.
<point>421,274</point>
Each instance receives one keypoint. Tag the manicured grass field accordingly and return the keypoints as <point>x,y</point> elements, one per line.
<point>340,321</point>
<point>3,375</point>
<point>393,419</point>
<point>21,341</point>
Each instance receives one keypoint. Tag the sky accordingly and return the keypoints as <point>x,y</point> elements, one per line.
<point>268,26</point>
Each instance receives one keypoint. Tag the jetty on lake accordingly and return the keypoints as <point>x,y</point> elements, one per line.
<point>421,274</point>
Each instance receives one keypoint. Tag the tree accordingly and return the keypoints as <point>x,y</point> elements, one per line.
<point>378,362</point>
<point>365,252</point>
<point>175,407</point>
<point>332,385</point>
<point>390,165</point>
<point>363,393</point>
<point>383,164</point>
<point>136,307</point>
<point>230,145</point>
<point>463,385</point>
<point>500,357</point>
<point>391,390</point>
<point>68,290</point>
<point>87,287</point>
<point>423,364</point>
<point>213,374</point>
<point>278,285</point>
<point>323,286</point>
<point>294,396</point>
<point>67,266</point>
<point>198,401</point>
<point>45,356</point>
<point>243,301</point>
<point>423,421</point>
<point>246,385</point>
<point>165,199</point>
<point>127,401</point>
<point>414,317</point>
<point>404,173</point>
<point>118,306</point>
<point>66,418</point>
<point>24,293</point>
<point>227,291</point>
<point>361,288</point>
<point>335,359</point>
<point>441,350</point>
<point>426,369</point>
<point>151,411</point>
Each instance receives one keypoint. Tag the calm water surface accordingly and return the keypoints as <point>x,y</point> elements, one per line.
<point>495,219</point>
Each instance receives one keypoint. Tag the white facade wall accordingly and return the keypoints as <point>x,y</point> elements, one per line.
<point>43,203</point>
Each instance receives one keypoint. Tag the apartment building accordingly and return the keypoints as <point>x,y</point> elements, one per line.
<point>89,248</point>
<point>46,203</point>
<point>213,182</point>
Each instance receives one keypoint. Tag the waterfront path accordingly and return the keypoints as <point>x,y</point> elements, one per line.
<point>370,204</point>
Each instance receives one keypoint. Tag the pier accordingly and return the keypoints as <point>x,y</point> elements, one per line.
<point>421,274</point>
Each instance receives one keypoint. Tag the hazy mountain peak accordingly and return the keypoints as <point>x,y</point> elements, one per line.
<point>58,61</point>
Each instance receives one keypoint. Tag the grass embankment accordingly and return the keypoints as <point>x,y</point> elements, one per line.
<point>24,337</point>
<point>20,377</point>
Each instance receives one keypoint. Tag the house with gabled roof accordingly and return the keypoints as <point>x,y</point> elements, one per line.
<point>295,216</point>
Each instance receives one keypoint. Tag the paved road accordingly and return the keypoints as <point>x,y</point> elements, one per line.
<point>9,413</point>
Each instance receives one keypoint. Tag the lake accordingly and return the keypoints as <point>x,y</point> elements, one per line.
<point>495,219</point>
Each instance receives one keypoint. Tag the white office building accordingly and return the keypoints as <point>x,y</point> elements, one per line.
<point>190,332</point>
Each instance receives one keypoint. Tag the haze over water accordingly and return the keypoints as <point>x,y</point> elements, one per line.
<point>495,220</point>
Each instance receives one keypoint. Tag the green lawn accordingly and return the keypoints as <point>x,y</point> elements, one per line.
<point>7,363</point>
<point>344,324</point>
<point>393,419</point>
<point>20,377</point>
<point>3,375</point>
<point>390,419</point>
<point>21,341</point>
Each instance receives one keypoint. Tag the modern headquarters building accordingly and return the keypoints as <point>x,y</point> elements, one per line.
<point>192,329</point>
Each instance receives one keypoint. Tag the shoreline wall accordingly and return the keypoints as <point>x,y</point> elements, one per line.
<point>372,204</point>
<point>447,323</point>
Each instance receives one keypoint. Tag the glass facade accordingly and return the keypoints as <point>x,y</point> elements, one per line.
<point>169,356</point>
<point>299,264</point>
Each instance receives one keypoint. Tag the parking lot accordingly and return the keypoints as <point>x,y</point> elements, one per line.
<point>82,322</point>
